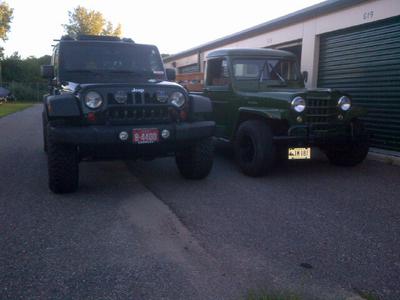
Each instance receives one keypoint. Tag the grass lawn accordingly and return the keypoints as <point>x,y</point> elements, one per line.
<point>9,108</point>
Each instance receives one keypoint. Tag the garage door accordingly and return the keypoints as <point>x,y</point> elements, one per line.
<point>365,62</point>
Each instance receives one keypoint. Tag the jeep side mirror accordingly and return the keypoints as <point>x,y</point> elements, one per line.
<point>171,74</point>
<point>305,76</point>
<point>47,71</point>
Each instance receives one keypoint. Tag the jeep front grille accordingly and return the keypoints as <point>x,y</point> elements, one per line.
<point>135,98</point>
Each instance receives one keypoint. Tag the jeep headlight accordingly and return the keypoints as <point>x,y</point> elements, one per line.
<point>344,103</point>
<point>299,104</point>
<point>93,100</point>
<point>178,99</point>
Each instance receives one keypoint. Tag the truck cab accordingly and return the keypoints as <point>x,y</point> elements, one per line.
<point>263,109</point>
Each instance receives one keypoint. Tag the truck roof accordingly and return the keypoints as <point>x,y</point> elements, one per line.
<point>250,52</point>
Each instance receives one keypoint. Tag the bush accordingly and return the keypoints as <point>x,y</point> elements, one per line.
<point>31,92</point>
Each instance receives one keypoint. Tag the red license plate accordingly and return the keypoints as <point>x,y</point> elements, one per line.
<point>146,136</point>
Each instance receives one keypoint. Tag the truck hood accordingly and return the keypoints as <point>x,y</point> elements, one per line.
<point>286,94</point>
<point>281,99</point>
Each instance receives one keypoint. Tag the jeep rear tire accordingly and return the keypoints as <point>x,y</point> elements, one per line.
<point>255,152</point>
<point>44,128</point>
<point>63,167</point>
<point>196,161</point>
<point>352,154</point>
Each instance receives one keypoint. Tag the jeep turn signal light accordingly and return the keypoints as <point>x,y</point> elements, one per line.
<point>183,115</point>
<point>91,117</point>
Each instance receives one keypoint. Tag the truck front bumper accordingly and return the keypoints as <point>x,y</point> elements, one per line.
<point>305,135</point>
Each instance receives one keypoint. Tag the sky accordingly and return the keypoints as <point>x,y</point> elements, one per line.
<point>172,25</point>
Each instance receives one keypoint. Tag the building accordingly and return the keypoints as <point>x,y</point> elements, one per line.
<point>352,45</point>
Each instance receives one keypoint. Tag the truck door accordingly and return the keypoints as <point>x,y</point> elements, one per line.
<point>218,89</point>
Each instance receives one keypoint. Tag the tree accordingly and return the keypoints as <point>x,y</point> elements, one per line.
<point>84,21</point>
<point>6,15</point>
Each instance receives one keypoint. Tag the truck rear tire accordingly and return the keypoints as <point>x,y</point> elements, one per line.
<point>254,148</point>
<point>352,154</point>
<point>196,161</point>
<point>63,167</point>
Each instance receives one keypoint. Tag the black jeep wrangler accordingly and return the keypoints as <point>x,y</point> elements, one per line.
<point>109,98</point>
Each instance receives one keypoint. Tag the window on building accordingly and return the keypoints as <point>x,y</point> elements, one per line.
<point>217,72</point>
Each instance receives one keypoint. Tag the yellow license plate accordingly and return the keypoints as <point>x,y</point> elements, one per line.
<point>299,153</point>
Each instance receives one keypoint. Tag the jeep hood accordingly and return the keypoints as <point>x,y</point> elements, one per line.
<point>76,87</point>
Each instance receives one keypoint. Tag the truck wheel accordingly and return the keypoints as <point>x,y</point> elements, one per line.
<point>44,126</point>
<point>195,162</point>
<point>63,167</point>
<point>352,154</point>
<point>254,149</point>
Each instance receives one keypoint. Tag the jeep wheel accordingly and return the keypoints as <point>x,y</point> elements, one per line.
<point>195,162</point>
<point>44,127</point>
<point>63,167</point>
<point>254,149</point>
<point>352,154</point>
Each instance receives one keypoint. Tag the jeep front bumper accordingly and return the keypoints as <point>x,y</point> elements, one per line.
<point>109,135</point>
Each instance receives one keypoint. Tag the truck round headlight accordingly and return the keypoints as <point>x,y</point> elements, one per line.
<point>93,100</point>
<point>344,103</point>
<point>121,97</point>
<point>178,99</point>
<point>299,104</point>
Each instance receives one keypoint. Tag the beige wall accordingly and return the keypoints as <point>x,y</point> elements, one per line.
<point>309,31</point>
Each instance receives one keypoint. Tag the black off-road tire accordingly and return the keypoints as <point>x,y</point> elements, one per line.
<point>44,127</point>
<point>63,167</point>
<point>255,152</point>
<point>351,154</point>
<point>196,161</point>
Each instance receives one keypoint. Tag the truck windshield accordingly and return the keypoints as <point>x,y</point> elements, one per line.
<point>105,60</point>
<point>272,71</point>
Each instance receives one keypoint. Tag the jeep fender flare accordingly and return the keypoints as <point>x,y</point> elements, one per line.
<point>62,106</point>
<point>200,104</point>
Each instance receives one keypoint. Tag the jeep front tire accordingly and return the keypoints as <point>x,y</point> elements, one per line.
<point>255,152</point>
<point>63,166</point>
<point>196,161</point>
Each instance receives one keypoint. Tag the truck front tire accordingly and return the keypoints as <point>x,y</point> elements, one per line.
<point>63,167</point>
<point>195,161</point>
<point>351,154</point>
<point>254,149</point>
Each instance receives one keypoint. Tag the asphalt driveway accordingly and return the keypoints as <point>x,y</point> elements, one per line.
<point>138,230</point>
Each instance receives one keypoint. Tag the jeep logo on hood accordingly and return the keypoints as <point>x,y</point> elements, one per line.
<point>134,90</point>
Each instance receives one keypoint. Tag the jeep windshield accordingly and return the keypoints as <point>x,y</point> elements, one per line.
<point>270,71</point>
<point>103,62</point>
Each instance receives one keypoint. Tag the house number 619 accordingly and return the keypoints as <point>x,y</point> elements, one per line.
<point>368,15</point>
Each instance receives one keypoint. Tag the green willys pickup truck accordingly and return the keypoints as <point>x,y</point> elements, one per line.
<point>261,106</point>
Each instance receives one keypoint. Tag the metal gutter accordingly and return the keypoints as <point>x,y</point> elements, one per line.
<point>298,16</point>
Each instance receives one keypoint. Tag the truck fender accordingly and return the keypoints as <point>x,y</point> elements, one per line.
<point>62,106</point>
<point>275,114</point>
<point>200,104</point>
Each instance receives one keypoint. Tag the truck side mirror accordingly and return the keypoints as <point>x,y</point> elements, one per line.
<point>171,74</point>
<point>305,76</point>
<point>47,71</point>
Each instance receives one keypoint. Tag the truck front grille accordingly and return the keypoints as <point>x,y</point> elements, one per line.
<point>320,113</point>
